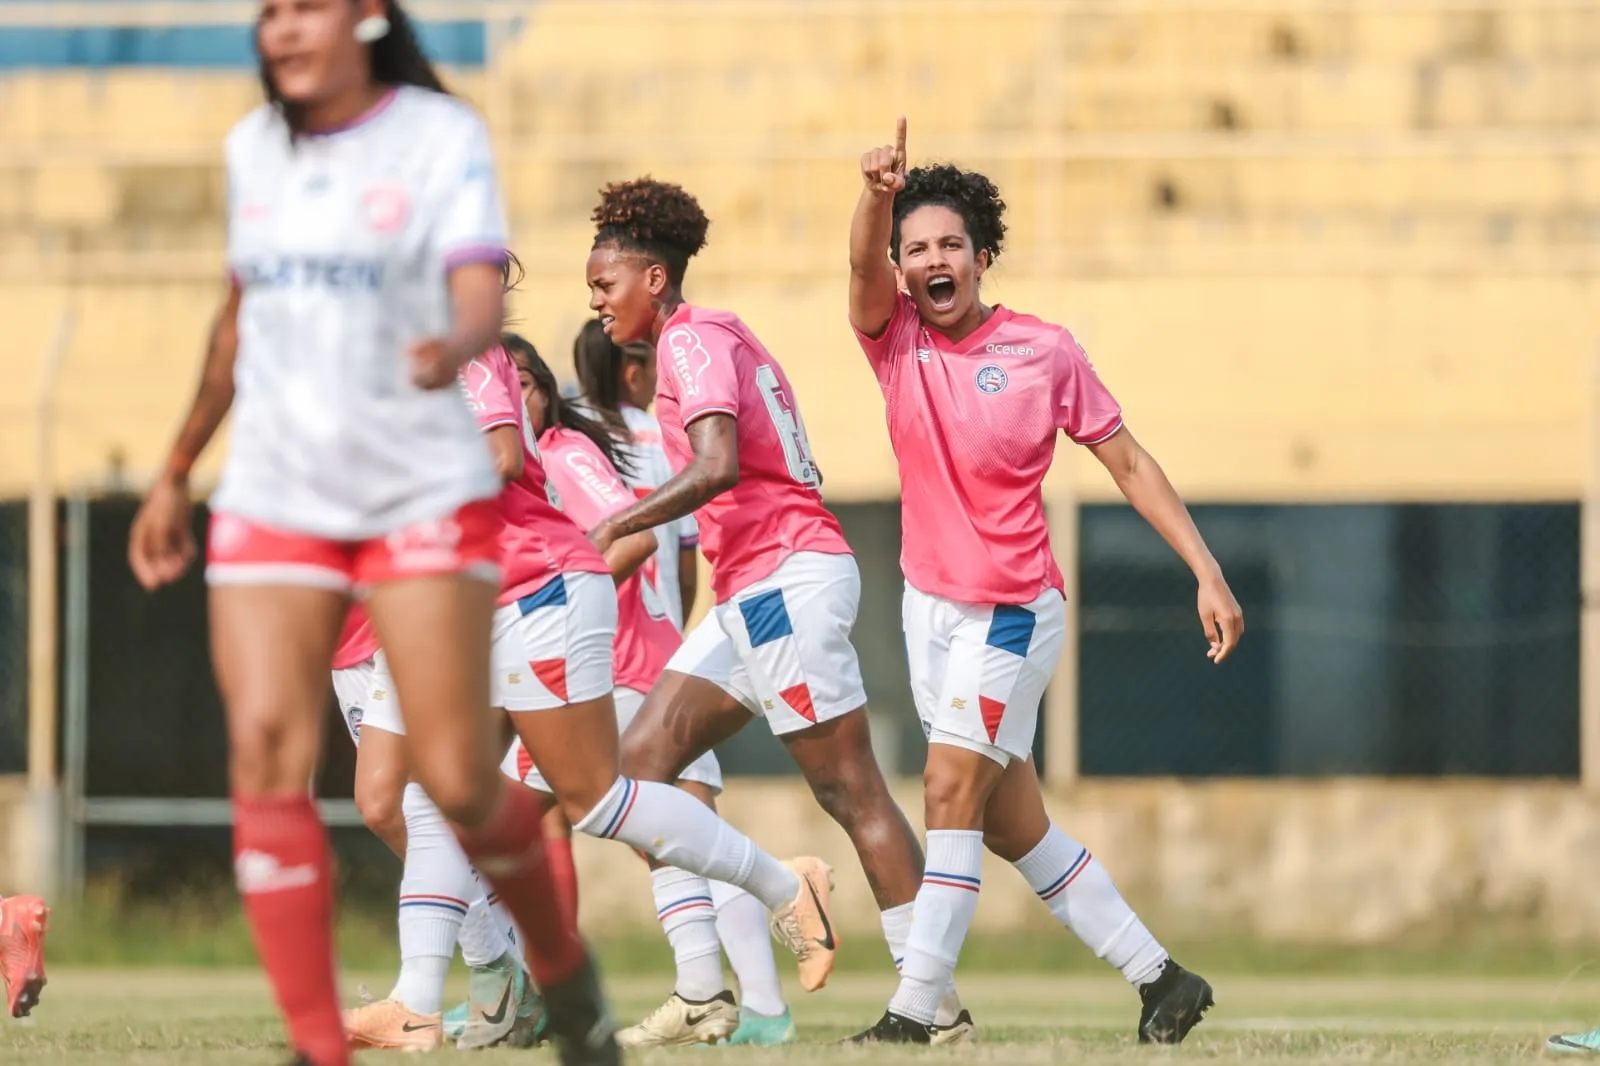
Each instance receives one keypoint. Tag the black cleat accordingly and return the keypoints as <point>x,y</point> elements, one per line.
<point>580,1023</point>
<point>895,1029</point>
<point>1173,1004</point>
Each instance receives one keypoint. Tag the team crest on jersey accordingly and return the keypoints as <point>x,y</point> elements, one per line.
<point>386,207</point>
<point>991,379</point>
<point>355,714</point>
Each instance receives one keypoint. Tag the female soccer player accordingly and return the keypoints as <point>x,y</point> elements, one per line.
<point>552,670</point>
<point>619,385</point>
<point>976,395</point>
<point>580,458</point>
<point>23,921</point>
<point>777,643</point>
<point>366,241</point>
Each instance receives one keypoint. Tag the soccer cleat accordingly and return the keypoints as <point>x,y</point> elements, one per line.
<point>494,995</point>
<point>579,1022</point>
<point>895,1029</point>
<point>682,1023</point>
<point>1575,1043</point>
<point>763,1030</point>
<point>961,1031</point>
<point>388,1024</point>
<point>804,926</point>
<point>23,922</point>
<point>1173,1004</point>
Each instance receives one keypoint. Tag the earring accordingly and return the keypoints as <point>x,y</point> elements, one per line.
<point>372,29</point>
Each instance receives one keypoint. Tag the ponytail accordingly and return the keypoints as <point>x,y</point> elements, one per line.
<point>612,442</point>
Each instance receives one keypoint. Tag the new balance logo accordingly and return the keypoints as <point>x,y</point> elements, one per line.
<point>258,873</point>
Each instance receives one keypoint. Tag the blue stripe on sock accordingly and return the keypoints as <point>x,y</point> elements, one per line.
<point>622,808</point>
<point>953,877</point>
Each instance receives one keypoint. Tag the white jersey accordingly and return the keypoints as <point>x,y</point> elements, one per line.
<point>651,470</point>
<point>341,244</point>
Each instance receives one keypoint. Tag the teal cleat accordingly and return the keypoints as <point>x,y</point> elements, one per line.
<point>487,1018</point>
<point>1577,1043</point>
<point>761,1030</point>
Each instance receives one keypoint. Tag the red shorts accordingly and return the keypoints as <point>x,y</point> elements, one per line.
<point>241,552</point>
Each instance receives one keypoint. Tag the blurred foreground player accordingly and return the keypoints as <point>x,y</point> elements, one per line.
<point>23,921</point>
<point>976,396</point>
<point>366,243</point>
<point>777,642</point>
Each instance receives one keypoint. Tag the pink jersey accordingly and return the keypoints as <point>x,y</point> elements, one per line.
<point>539,541</point>
<point>357,641</point>
<point>710,363</point>
<point>974,425</point>
<point>592,489</point>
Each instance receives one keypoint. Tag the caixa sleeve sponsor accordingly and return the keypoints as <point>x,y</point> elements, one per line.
<point>338,273</point>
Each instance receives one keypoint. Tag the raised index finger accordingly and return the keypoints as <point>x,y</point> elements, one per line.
<point>900,140</point>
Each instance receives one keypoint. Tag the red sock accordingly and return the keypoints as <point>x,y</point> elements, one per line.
<point>508,850</point>
<point>280,856</point>
<point>565,873</point>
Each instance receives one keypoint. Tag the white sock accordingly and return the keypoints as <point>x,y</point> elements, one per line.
<point>1083,898</point>
<point>897,930</point>
<point>742,926</point>
<point>683,906</point>
<point>940,917</point>
<point>483,940</point>
<point>675,829</point>
<point>434,890</point>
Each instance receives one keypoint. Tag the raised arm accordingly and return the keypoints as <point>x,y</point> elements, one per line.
<point>872,279</point>
<point>714,438</point>
<point>1146,487</point>
<point>161,543</point>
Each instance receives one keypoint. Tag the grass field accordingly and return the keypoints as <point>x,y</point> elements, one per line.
<point>186,1017</point>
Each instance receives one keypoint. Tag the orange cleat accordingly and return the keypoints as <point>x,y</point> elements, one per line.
<point>23,921</point>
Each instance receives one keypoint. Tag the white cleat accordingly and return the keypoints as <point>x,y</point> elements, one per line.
<point>679,1023</point>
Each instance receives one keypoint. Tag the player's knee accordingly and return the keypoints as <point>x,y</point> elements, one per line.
<point>835,794</point>
<point>379,803</point>
<point>952,800</point>
<point>460,797</point>
<point>264,755</point>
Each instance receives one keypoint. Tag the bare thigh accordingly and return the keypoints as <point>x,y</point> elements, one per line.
<point>575,748</point>
<point>271,645</point>
<point>435,636</point>
<point>682,718</point>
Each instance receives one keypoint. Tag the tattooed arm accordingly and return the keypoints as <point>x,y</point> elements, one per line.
<point>713,470</point>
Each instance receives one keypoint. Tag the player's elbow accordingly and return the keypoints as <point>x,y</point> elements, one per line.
<point>722,472</point>
<point>508,464</point>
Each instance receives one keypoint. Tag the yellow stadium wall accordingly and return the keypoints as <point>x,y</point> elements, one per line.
<point>1341,304</point>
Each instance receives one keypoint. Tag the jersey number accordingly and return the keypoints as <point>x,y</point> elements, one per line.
<point>791,430</point>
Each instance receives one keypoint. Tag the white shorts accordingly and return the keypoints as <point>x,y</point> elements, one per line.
<point>518,765</point>
<point>553,646</point>
<point>978,671</point>
<point>366,698</point>
<point>782,646</point>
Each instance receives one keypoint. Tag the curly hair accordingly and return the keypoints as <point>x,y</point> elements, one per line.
<point>655,218</point>
<point>966,192</point>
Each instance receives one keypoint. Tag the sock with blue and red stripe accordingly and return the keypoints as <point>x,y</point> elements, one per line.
<point>675,829</point>
<point>1081,895</point>
<point>940,918</point>
<point>684,908</point>
<point>434,892</point>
